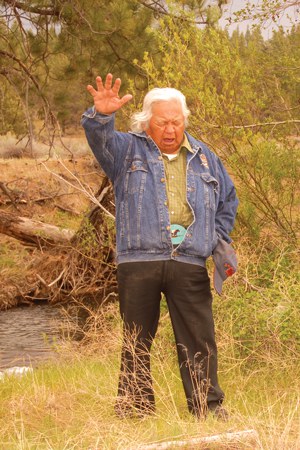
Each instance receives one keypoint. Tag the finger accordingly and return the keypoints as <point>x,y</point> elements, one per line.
<point>108,81</point>
<point>99,83</point>
<point>126,99</point>
<point>116,86</point>
<point>91,90</point>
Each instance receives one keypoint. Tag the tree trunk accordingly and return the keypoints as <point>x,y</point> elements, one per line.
<point>32,232</point>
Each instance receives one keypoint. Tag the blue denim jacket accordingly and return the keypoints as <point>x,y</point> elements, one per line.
<point>135,166</point>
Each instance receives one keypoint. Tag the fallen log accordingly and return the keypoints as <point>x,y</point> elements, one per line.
<point>222,440</point>
<point>72,266</point>
<point>33,232</point>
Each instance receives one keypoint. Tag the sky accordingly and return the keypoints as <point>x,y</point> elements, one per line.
<point>269,26</point>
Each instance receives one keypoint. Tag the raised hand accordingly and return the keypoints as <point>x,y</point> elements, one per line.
<point>106,97</point>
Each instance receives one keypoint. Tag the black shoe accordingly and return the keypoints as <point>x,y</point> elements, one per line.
<point>219,413</point>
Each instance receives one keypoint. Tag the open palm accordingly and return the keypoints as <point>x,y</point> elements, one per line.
<point>106,97</point>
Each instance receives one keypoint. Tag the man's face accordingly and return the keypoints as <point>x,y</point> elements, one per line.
<point>166,126</point>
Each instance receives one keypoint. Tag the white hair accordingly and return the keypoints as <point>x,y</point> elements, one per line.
<point>140,120</point>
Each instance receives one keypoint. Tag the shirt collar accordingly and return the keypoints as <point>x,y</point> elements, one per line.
<point>186,144</point>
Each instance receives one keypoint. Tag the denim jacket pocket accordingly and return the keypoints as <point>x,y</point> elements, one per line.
<point>206,202</point>
<point>136,177</point>
<point>133,208</point>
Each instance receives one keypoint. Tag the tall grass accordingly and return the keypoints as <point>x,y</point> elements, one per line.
<point>69,404</point>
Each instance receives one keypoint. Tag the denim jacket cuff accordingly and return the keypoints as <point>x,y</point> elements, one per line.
<point>92,113</point>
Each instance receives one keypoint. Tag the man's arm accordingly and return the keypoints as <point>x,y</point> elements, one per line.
<point>98,122</point>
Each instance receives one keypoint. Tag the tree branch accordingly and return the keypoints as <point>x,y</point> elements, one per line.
<point>23,67</point>
<point>51,11</point>
<point>158,8</point>
<point>260,124</point>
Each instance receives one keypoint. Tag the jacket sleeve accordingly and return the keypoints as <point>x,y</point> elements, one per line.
<point>227,204</point>
<point>109,146</point>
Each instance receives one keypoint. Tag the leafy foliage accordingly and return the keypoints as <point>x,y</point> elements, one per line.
<point>269,11</point>
<point>260,312</point>
<point>242,106</point>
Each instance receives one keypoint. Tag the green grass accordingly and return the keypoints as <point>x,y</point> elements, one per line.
<point>10,255</point>
<point>69,404</point>
<point>63,219</point>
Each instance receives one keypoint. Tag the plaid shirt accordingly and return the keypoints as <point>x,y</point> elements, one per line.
<point>175,169</point>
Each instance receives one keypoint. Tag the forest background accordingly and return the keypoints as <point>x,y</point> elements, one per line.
<point>244,95</point>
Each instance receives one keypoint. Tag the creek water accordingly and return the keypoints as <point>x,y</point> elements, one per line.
<point>28,335</point>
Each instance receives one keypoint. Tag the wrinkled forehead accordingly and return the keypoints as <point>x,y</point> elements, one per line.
<point>167,110</point>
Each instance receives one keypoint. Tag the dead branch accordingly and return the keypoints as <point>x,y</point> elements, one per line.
<point>6,192</point>
<point>12,57</point>
<point>222,440</point>
<point>73,267</point>
<point>81,187</point>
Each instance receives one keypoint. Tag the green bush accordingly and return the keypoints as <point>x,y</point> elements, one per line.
<point>260,309</point>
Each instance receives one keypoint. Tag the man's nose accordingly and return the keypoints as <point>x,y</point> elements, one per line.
<point>169,128</point>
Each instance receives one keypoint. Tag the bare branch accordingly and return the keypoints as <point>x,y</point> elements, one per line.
<point>79,186</point>
<point>4,189</point>
<point>155,6</point>
<point>255,125</point>
<point>23,67</point>
<point>228,438</point>
<point>158,8</point>
<point>269,10</point>
<point>50,11</point>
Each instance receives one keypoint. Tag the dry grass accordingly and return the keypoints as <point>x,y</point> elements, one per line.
<point>70,404</point>
<point>65,147</point>
<point>36,192</point>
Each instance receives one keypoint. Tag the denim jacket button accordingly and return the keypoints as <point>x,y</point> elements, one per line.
<point>162,180</point>
<point>168,227</point>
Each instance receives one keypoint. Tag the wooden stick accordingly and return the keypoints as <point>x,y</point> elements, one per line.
<point>224,438</point>
<point>6,192</point>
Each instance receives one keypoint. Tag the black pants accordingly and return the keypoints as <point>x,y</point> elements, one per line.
<point>187,291</point>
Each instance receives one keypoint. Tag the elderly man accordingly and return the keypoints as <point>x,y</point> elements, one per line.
<point>175,204</point>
